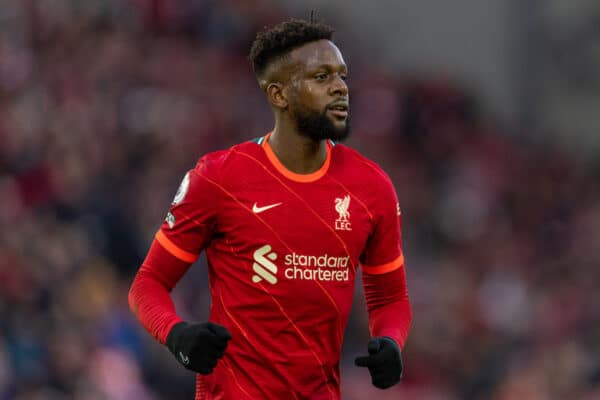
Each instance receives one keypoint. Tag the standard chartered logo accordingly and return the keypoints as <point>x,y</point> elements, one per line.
<point>299,266</point>
<point>263,265</point>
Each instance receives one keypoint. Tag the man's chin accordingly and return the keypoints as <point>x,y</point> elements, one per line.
<point>340,132</point>
<point>323,126</point>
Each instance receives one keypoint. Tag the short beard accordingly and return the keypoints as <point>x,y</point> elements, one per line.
<point>318,126</point>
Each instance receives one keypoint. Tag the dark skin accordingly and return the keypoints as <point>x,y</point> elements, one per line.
<point>311,77</point>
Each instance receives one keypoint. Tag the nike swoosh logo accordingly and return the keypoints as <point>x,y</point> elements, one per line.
<point>257,210</point>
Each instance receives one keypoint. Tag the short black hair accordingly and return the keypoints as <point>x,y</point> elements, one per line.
<point>270,44</point>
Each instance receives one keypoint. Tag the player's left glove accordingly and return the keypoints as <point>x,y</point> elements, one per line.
<point>384,362</point>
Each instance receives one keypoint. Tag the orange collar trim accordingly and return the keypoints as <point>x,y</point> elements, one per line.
<point>304,178</point>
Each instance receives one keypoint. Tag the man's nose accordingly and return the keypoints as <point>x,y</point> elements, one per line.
<point>338,86</point>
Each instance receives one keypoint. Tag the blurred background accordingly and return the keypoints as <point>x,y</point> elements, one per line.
<point>485,114</point>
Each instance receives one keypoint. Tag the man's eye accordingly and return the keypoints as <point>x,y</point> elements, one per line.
<point>343,77</point>
<point>321,77</point>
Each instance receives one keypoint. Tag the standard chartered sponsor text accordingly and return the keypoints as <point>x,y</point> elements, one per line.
<point>322,268</point>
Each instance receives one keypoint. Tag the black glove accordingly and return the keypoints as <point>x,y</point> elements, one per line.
<point>198,347</point>
<point>384,362</point>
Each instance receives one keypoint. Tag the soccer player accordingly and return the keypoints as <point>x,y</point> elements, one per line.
<point>286,220</point>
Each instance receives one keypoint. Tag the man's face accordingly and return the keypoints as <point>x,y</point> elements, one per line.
<point>317,91</point>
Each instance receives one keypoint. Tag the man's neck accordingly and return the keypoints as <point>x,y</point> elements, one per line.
<point>296,152</point>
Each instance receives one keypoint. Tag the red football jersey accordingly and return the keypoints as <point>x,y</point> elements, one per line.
<point>282,250</point>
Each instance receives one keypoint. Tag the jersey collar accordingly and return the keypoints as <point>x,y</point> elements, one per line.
<point>304,178</point>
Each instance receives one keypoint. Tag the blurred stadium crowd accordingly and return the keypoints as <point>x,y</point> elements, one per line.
<point>104,104</point>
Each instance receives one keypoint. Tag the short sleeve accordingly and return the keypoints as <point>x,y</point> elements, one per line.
<point>383,252</point>
<point>191,219</point>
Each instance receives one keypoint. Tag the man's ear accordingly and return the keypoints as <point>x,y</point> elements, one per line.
<point>276,95</point>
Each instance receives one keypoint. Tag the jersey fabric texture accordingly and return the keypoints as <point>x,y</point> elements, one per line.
<point>283,250</point>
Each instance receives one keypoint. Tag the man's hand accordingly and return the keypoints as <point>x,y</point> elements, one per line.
<point>198,347</point>
<point>384,362</point>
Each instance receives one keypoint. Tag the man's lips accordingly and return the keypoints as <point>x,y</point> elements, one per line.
<point>338,113</point>
<point>339,109</point>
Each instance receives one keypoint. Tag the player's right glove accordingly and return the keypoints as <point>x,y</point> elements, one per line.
<point>198,347</point>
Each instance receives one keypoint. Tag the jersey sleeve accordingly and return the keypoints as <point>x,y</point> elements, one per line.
<point>383,252</point>
<point>192,217</point>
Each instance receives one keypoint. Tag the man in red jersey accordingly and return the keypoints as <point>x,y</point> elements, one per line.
<point>285,220</point>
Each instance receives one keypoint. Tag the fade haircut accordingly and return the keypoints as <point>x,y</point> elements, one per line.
<point>272,44</point>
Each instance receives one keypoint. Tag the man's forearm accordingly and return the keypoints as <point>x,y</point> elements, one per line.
<point>388,305</point>
<point>149,295</point>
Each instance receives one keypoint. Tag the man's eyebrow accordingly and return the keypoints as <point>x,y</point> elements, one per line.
<point>328,66</point>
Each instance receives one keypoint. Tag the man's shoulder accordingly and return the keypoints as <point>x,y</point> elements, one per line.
<point>364,175</point>
<point>215,162</point>
<point>352,161</point>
